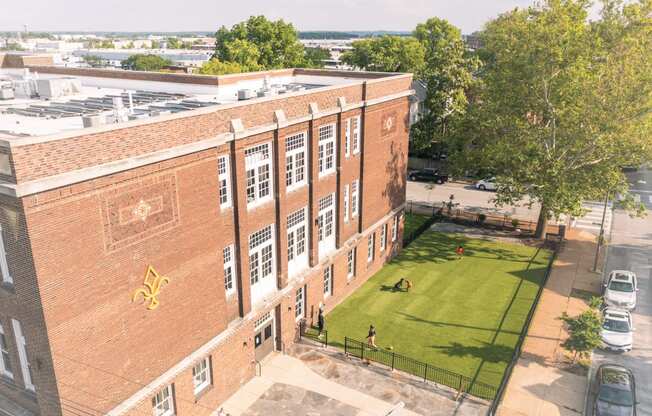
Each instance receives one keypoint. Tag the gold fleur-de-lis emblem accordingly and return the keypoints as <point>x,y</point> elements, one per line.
<point>152,288</point>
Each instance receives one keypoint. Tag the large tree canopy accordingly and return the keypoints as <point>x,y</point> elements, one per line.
<point>386,54</point>
<point>258,44</point>
<point>144,62</point>
<point>565,103</point>
<point>447,74</point>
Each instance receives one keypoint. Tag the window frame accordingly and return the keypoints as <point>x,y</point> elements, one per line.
<point>345,207</point>
<point>347,138</point>
<point>383,237</point>
<point>260,166</point>
<point>328,281</point>
<point>6,368</point>
<point>395,228</point>
<point>350,263</point>
<point>293,226</point>
<point>25,366</point>
<point>169,398</point>
<point>300,304</point>
<point>323,154</point>
<point>260,251</point>
<point>230,265</point>
<point>355,198</point>
<point>371,247</point>
<point>291,155</point>
<point>4,262</point>
<point>355,135</point>
<point>198,385</point>
<point>224,181</point>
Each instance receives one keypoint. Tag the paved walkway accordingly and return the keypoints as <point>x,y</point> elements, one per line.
<point>539,385</point>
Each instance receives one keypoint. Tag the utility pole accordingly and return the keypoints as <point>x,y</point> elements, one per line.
<point>601,236</point>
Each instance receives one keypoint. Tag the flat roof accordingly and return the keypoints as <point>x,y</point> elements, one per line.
<point>33,116</point>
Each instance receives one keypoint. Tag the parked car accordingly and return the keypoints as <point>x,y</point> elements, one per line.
<point>620,290</point>
<point>617,330</point>
<point>428,175</point>
<point>614,389</point>
<point>487,184</point>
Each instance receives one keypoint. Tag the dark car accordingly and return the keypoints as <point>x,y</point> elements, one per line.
<point>615,391</point>
<point>428,175</point>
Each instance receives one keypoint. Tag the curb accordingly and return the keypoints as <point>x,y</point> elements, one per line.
<point>589,377</point>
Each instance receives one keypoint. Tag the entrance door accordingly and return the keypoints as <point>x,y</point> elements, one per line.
<point>264,340</point>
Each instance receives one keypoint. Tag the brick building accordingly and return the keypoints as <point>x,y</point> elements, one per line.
<point>148,263</point>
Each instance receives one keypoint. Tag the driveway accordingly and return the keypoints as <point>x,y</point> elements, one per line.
<point>631,248</point>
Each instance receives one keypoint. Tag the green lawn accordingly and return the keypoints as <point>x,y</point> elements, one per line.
<point>412,222</point>
<point>461,315</point>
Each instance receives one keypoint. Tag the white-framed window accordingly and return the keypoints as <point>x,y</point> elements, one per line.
<point>326,224</point>
<point>370,247</point>
<point>383,237</point>
<point>258,165</point>
<point>201,375</point>
<point>297,226</point>
<point>346,203</point>
<point>395,228</point>
<point>350,264</point>
<point>262,260</point>
<point>5,361</point>
<point>228,255</point>
<point>25,366</point>
<point>355,133</point>
<point>295,161</point>
<point>163,402</point>
<point>347,138</point>
<point>326,149</point>
<point>328,281</point>
<point>224,179</point>
<point>4,266</point>
<point>300,303</point>
<point>354,198</point>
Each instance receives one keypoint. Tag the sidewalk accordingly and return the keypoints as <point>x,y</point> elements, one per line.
<point>538,386</point>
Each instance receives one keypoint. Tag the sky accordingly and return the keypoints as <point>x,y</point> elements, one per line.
<point>208,15</point>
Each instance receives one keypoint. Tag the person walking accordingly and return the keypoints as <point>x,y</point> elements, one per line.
<point>371,337</point>
<point>320,322</point>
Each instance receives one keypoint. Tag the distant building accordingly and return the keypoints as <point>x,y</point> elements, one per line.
<point>473,41</point>
<point>181,57</point>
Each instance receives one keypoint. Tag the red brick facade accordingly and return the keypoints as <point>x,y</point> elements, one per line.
<point>78,252</point>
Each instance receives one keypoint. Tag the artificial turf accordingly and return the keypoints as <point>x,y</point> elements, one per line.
<point>462,315</point>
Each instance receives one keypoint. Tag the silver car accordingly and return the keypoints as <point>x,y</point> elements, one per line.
<point>617,330</point>
<point>620,290</point>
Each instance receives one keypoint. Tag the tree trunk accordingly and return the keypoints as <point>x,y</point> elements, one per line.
<point>542,222</point>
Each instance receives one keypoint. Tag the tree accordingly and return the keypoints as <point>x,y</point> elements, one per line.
<point>564,104</point>
<point>583,331</point>
<point>155,44</point>
<point>315,57</point>
<point>217,67</point>
<point>106,44</point>
<point>174,43</point>
<point>386,54</point>
<point>94,60</point>
<point>129,45</point>
<point>143,62</point>
<point>448,75</point>
<point>259,44</point>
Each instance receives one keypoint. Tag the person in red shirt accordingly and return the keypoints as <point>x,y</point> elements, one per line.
<point>459,251</point>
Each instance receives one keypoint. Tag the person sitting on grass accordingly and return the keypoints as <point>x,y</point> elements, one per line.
<point>459,251</point>
<point>408,285</point>
<point>399,285</point>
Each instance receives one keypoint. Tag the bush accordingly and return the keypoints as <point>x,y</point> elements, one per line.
<point>584,331</point>
<point>482,218</point>
<point>515,223</point>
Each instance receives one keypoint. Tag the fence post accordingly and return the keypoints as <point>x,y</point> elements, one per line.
<point>346,344</point>
<point>393,355</point>
<point>326,336</point>
<point>425,373</point>
<point>301,324</point>
<point>362,352</point>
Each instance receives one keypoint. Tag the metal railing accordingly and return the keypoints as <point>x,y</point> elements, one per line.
<point>312,333</point>
<point>428,372</point>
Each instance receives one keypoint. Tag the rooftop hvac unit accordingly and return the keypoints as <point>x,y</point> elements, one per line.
<point>247,94</point>
<point>138,116</point>
<point>156,113</point>
<point>93,121</point>
<point>58,87</point>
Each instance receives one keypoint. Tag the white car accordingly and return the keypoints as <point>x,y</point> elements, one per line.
<point>617,330</point>
<point>620,290</point>
<point>487,184</point>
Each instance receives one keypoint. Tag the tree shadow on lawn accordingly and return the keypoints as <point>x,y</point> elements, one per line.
<point>443,324</point>
<point>490,353</point>
<point>438,248</point>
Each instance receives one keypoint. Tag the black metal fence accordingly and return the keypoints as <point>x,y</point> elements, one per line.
<point>521,338</point>
<point>420,369</point>
<point>312,333</point>
<point>474,218</point>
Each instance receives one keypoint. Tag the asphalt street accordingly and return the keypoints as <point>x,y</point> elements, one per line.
<point>631,249</point>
